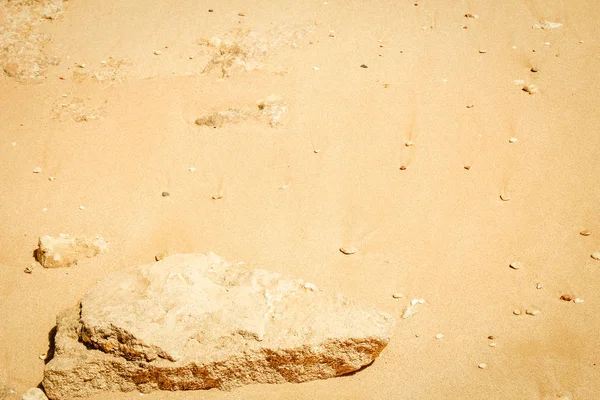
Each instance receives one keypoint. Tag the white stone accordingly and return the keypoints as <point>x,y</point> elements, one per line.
<point>37,170</point>
<point>34,394</point>
<point>196,322</point>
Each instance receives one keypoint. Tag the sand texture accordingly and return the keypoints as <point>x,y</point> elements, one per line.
<point>435,160</point>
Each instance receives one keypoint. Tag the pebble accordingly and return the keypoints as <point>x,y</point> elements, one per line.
<point>513,140</point>
<point>534,69</point>
<point>316,68</point>
<point>517,312</point>
<point>596,255</point>
<point>82,207</point>
<point>538,285</point>
<point>532,312</point>
<point>531,88</point>
<point>482,366</point>
<point>409,143</point>
<point>348,250</point>
<point>397,295</point>
<point>439,336</point>
<point>37,170</point>
<point>467,167</point>
<point>566,297</point>
<point>504,197</point>
<point>492,344</point>
<point>310,286</point>
<point>515,265</point>
<point>51,178</point>
<point>157,52</point>
<point>34,394</point>
<point>364,66</point>
<point>585,232</point>
<point>491,337</point>
<point>316,151</point>
<point>160,256</point>
<point>28,269</point>
<point>578,300</point>
<point>217,196</point>
<point>482,51</point>
<point>191,169</point>
<point>165,194</point>
<point>402,167</point>
<point>43,356</point>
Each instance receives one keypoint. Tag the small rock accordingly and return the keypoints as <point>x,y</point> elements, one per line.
<point>513,140</point>
<point>241,14</point>
<point>165,194</point>
<point>310,286</point>
<point>82,207</point>
<point>566,297</point>
<point>161,255</point>
<point>157,52</point>
<point>43,356</point>
<point>408,144</point>
<point>28,269</point>
<point>51,178</point>
<point>191,169</point>
<point>578,300</point>
<point>316,151</point>
<point>532,312</point>
<point>482,51</point>
<point>37,170</point>
<point>439,336</point>
<point>66,250</point>
<point>534,69</point>
<point>397,295</point>
<point>585,232</point>
<point>34,394</point>
<point>402,167</point>
<point>596,255</point>
<point>516,265</point>
<point>492,344</point>
<point>491,337</point>
<point>364,66</point>
<point>482,366</point>
<point>469,15</point>
<point>531,88</point>
<point>538,285</point>
<point>517,311</point>
<point>348,250</point>
<point>217,196</point>
<point>504,197</point>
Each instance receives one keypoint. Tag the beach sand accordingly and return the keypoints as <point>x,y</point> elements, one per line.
<point>385,125</point>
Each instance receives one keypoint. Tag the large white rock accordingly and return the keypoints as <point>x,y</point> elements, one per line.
<point>197,322</point>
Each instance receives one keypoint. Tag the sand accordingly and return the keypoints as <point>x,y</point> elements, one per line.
<point>104,98</point>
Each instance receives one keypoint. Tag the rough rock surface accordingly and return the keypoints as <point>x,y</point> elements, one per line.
<point>66,250</point>
<point>197,322</point>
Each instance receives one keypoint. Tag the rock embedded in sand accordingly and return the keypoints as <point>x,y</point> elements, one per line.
<point>348,250</point>
<point>197,322</point>
<point>66,250</point>
<point>585,232</point>
<point>566,297</point>
<point>596,255</point>
<point>531,88</point>
<point>516,265</point>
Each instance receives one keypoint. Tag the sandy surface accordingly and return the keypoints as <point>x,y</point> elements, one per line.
<point>119,130</point>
